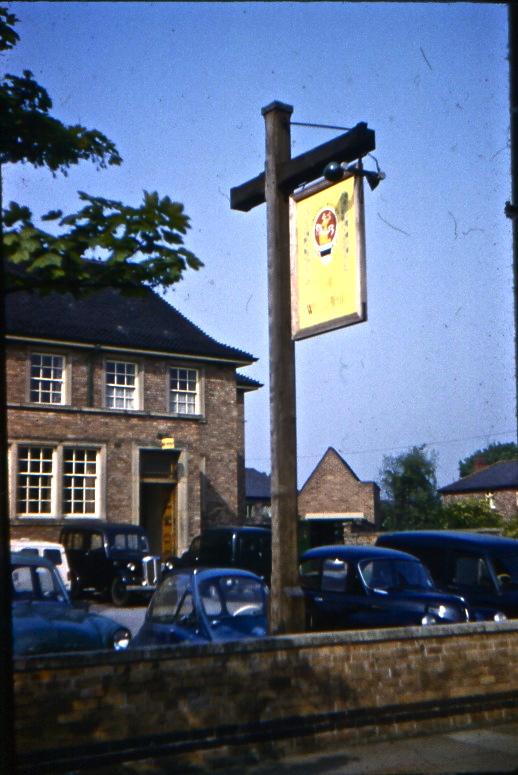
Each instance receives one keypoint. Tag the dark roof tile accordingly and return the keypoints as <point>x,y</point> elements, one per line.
<point>144,322</point>
<point>498,476</point>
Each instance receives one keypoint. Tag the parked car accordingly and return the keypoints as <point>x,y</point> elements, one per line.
<point>482,568</point>
<point>44,619</point>
<point>51,550</point>
<point>110,558</point>
<point>203,605</point>
<point>354,587</point>
<point>249,548</point>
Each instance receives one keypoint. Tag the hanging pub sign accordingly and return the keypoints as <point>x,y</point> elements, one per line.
<point>327,244</point>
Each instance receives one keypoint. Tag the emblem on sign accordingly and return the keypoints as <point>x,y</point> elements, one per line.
<point>325,233</point>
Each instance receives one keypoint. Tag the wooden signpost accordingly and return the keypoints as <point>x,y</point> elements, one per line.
<point>281,177</point>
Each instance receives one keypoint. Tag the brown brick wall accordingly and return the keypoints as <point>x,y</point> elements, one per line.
<point>506,501</point>
<point>283,693</point>
<point>213,445</point>
<point>332,487</point>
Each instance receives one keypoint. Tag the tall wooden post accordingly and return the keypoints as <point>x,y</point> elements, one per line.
<point>513,104</point>
<point>286,606</point>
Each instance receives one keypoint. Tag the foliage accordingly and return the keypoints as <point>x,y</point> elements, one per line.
<point>52,263</point>
<point>511,528</point>
<point>409,485</point>
<point>469,513</point>
<point>129,245</point>
<point>490,454</point>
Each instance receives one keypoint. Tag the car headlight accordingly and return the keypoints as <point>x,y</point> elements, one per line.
<point>131,566</point>
<point>121,639</point>
<point>442,612</point>
<point>500,617</point>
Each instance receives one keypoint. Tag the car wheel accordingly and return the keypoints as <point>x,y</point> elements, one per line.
<point>118,592</point>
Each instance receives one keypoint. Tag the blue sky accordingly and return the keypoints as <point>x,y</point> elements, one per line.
<point>179,88</point>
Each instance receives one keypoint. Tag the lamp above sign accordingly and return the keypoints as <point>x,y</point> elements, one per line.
<point>327,246</point>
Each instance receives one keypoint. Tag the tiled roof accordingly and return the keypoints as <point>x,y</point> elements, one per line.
<point>247,383</point>
<point>144,322</point>
<point>498,476</point>
<point>257,485</point>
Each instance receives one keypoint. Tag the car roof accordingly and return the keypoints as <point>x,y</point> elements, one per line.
<point>485,541</point>
<point>237,528</point>
<point>18,558</point>
<point>28,542</point>
<point>101,524</point>
<point>353,552</point>
<point>208,573</point>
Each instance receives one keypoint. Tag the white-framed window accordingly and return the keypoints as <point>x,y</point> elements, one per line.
<point>80,481</point>
<point>34,480</point>
<point>184,391</point>
<point>121,385</point>
<point>47,379</point>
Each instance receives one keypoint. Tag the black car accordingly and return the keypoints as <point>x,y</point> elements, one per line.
<point>249,548</point>
<point>355,587</point>
<point>45,621</point>
<point>483,568</point>
<point>110,558</point>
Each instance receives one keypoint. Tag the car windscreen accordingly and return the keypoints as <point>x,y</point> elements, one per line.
<point>506,569</point>
<point>128,542</point>
<point>167,598</point>
<point>35,582</point>
<point>395,575</point>
<point>232,596</point>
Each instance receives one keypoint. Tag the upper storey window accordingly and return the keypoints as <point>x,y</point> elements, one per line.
<point>47,380</point>
<point>184,391</point>
<point>121,385</point>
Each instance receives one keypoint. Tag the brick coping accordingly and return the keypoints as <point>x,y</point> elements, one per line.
<point>255,645</point>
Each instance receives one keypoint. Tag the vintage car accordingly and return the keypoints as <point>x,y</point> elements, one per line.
<point>245,547</point>
<point>483,568</point>
<point>355,587</point>
<point>203,605</point>
<point>110,558</point>
<point>50,549</point>
<point>44,619</point>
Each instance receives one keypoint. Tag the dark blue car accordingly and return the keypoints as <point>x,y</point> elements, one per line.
<point>45,621</point>
<point>482,568</point>
<point>355,587</point>
<point>203,605</point>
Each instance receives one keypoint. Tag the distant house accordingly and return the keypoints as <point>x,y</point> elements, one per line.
<point>497,484</point>
<point>120,408</point>
<point>258,488</point>
<point>334,500</point>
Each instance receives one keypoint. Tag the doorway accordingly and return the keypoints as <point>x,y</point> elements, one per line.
<point>158,500</point>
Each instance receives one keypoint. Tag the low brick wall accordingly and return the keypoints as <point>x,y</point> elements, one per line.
<point>270,696</point>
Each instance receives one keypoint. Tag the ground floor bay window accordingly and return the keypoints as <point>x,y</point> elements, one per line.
<point>55,481</point>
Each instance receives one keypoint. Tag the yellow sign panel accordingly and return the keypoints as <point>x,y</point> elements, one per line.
<point>327,257</point>
<point>168,442</point>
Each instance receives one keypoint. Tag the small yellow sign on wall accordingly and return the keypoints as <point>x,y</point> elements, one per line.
<point>168,442</point>
<point>327,245</point>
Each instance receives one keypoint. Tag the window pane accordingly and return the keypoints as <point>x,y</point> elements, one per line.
<point>183,391</point>
<point>34,480</point>
<point>121,382</point>
<point>79,481</point>
<point>47,379</point>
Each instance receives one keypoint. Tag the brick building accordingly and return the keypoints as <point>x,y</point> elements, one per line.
<point>333,501</point>
<point>120,408</point>
<point>497,484</point>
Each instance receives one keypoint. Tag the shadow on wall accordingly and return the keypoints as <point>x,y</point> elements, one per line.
<point>215,510</point>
